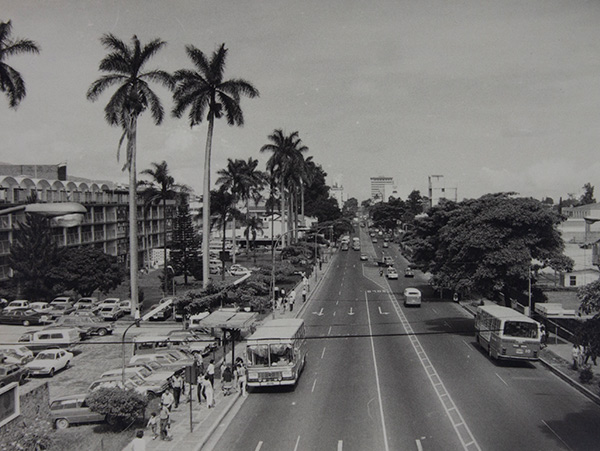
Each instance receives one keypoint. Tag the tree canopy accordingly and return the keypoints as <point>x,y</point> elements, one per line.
<point>488,245</point>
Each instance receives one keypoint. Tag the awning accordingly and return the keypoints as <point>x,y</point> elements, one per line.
<point>228,320</point>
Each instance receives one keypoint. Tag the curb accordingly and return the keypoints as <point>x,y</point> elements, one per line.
<point>215,424</point>
<point>572,382</point>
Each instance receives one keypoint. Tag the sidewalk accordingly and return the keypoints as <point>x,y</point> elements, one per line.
<point>204,420</point>
<point>556,356</point>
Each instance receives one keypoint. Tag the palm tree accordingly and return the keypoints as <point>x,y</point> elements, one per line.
<point>223,210</point>
<point>11,82</point>
<point>205,92</point>
<point>287,156</point>
<point>253,183</point>
<point>232,179</point>
<point>253,225</point>
<point>161,189</point>
<point>124,65</point>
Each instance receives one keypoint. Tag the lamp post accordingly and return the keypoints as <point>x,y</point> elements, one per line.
<point>172,278</point>
<point>316,234</point>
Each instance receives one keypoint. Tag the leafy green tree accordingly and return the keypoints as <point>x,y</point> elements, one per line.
<point>350,208</point>
<point>124,65</point>
<point>11,81</point>
<point>487,245</point>
<point>85,269</point>
<point>185,242</point>
<point>588,195</point>
<point>33,256</point>
<point>204,92</point>
<point>387,215</point>
<point>589,296</point>
<point>122,406</point>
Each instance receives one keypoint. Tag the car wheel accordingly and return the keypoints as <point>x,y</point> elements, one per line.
<point>102,332</point>
<point>51,373</point>
<point>62,423</point>
<point>26,323</point>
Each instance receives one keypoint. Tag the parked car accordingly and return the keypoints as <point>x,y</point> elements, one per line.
<point>408,272</point>
<point>72,409</point>
<point>23,316</point>
<point>87,325</point>
<point>111,312</point>
<point>51,339</point>
<point>238,270</point>
<point>63,300</point>
<point>364,257</point>
<point>126,306</point>
<point>386,244</point>
<point>40,306</point>
<point>18,354</point>
<point>58,310</point>
<point>193,342</point>
<point>17,304</point>
<point>88,304</point>
<point>151,389</point>
<point>166,312</point>
<point>166,360</point>
<point>48,362</point>
<point>110,301</point>
<point>11,372</point>
<point>391,273</point>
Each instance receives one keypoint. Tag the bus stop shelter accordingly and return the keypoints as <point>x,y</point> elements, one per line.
<point>231,323</point>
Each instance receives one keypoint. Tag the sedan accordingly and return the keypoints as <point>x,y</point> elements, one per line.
<point>364,257</point>
<point>408,272</point>
<point>41,307</point>
<point>10,372</point>
<point>48,362</point>
<point>391,273</point>
<point>23,316</point>
<point>238,270</point>
<point>59,310</point>
<point>17,304</point>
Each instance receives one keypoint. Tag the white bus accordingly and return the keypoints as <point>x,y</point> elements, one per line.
<point>412,296</point>
<point>276,353</point>
<point>507,334</point>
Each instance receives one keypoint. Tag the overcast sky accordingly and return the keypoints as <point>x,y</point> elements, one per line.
<point>495,95</point>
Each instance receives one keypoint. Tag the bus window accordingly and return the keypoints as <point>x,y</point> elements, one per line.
<point>281,354</point>
<point>520,329</point>
<point>258,355</point>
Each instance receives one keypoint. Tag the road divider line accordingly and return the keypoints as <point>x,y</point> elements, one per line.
<point>313,386</point>
<point>503,381</point>
<point>340,446</point>
<point>323,353</point>
<point>556,435</point>
<point>258,446</point>
<point>297,443</point>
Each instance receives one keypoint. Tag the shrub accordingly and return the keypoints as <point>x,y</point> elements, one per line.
<point>586,375</point>
<point>120,405</point>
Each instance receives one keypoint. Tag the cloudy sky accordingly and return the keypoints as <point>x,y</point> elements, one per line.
<point>495,95</point>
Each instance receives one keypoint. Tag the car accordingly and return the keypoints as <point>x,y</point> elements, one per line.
<point>111,312</point>
<point>23,316</point>
<point>167,360</point>
<point>364,257</point>
<point>151,377</point>
<point>165,313</point>
<point>238,270</point>
<point>18,354</point>
<point>109,301</point>
<point>40,306</point>
<point>59,310</point>
<point>408,272</point>
<point>87,325</point>
<point>17,304</point>
<point>386,244</point>
<point>391,273</point>
<point>63,300</point>
<point>11,372</point>
<point>193,342</point>
<point>387,261</point>
<point>48,362</point>
<point>72,409</point>
<point>87,304</point>
<point>126,306</point>
<point>149,388</point>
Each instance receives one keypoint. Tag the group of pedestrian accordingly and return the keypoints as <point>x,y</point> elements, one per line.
<point>234,379</point>
<point>582,354</point>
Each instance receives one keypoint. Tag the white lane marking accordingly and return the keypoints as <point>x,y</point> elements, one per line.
<point>468,344</point>
<point>340,445</point>
<point>383,313</point>
<point>313,386</point>
<point>258,446</point>
<point>503,381</point>
<point>434,311</point>
<point>323,353</point>
<point>385,441</point>
<point>419,446</point>
<point>297,442</point>
<point>340,293</point>
<point>557,436</point>
<point>337,302</point>
<point>333,313</point>
<point>456,419</point>
<point>319,313</point>
<point>329,331</point>
<point>350,312</point>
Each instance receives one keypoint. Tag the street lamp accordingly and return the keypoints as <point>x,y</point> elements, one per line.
<point>316,235</point>
<point>172,278</point>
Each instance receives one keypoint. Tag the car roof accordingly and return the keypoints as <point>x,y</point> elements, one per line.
<point>67,397</point>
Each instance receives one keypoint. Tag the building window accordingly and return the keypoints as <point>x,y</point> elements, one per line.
<point>572,281</point>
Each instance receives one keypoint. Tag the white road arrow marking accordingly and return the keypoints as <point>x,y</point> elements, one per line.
<point>319,313</point>
<point>350,312</point>
<point>383,313</point>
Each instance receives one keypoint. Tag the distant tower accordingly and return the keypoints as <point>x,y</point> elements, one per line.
<point>380,186</point>
<point>437,190</point>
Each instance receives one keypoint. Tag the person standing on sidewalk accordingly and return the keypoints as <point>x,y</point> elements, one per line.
<point>292,300</point>
<point>167,399</point>
<point>177,384</point>
<point>242,379</point>
<point>576,355</point>
<point>138,443</point>
<point>208,391</point>
<point>304,294</point>
<point>210,372</point>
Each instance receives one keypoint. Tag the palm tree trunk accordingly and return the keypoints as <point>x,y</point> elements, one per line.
<point>166,288</point>
<point>133,238</point>
<point>206,203</point>
<point>248,234</point>
<point>302,218</point>
<point>233,245</point>
<point>282,214</point>
<point>223,248</point>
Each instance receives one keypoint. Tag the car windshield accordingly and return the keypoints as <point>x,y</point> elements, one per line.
<point>45,356</point>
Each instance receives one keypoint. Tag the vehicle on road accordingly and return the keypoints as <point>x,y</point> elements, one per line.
<point>385,261</point>
<point>59,310</point>
<point>54,338</point>
<point>276,353</point>
<point>87,326</point>
<point>48,362</point>
<point>23,316</point>
<point>87,305</point>
<point>17,304</point>
<point>412,297</point>
<point>126,306</point>
<point>72,409</point>
<point>344,246</point>
<point>238,270</point>
<point>386,244</point>
<point>18,354</point>
<point>166,312</point>
<point>391,273</point>
<point>11,372</point>
<point>111,312</point>
<point>408,272</point>
<point>507,334</point>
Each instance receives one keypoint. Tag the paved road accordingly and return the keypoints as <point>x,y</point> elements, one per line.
<point>383,377</point>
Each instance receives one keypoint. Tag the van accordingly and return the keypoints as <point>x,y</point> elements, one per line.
<point>195,319</point>
<point>412,296</point>
<point>52,338</point>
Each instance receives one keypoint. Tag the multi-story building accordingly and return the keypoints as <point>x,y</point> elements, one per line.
<point>105,224</point>
<point>380,187</point>
<point>337,192</point>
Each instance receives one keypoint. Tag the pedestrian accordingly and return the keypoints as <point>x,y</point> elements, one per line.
<point>282,295</point>
<point>303,295</point>
<point>242,379</point>
<point>320,264</point>
<point>210,372</point>
<point>227,380</point>
<point>177,385</point>
<point>138,443</point>
<point>576,355</point>
<point>208,391</point>
<point>165,422</point>
<point>543,336</point>
<point>167,399</point>
<point>292,300</point>
<point>153,424</point>
<point>380,272</point>
<point>589,352</point>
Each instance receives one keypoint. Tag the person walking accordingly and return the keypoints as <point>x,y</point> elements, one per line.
<point>153,425</point>
<point>177,384</point>
<point>167,399</point>
<point>576,355</point>
<point>208,391</point>
<point>304,294</point>
<point>210,372</point>
<point>138,443</point>
<point>292,300</point>
<point>165,421</point>
<point>242,378</point>
<point>227,380</point>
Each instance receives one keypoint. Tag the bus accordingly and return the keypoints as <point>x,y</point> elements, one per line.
<point>507,334</point>
<point>412,296</point>
<point>276,353</point>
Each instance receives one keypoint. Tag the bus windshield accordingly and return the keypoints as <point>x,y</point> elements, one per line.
<point>520,329</point>
<point>271,355</point>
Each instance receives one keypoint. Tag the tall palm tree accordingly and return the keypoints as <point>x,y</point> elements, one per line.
<point>253,225</point>
<point>161,189</point>
<point>11,81</point>
<point>205,92</point>
<point>253,183</point>
<point>232,179</point>
<point>124,65</point>
<point>287,156</point>
<point>223,210</point>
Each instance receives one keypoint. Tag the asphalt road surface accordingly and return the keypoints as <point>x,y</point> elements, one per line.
<point>381,376</point>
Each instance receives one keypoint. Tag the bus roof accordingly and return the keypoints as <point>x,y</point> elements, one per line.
<point>283,329</point>
<point>505,313</point>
